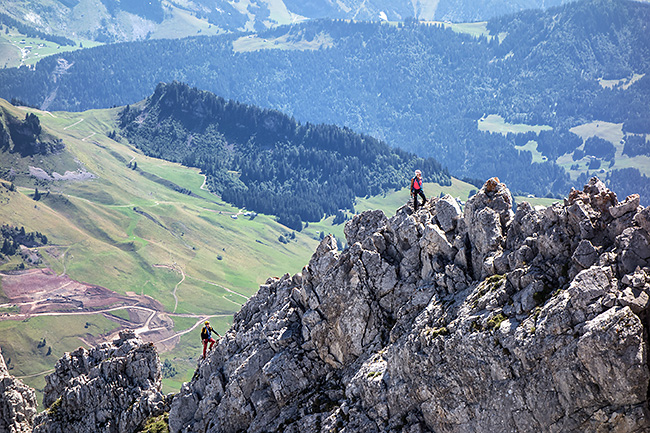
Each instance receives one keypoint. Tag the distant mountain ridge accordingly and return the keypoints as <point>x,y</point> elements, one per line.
<point>114,21</point>
<point>471,101</point>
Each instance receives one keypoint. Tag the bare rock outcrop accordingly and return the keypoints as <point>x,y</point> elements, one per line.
<point>481,321</point>
<point>110,388</point>
<point>17,403</point>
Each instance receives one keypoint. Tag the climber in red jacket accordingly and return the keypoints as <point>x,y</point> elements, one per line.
<point>206,336</point>
<point>416,189</point>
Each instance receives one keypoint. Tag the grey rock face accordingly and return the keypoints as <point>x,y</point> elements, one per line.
<point>17,403</point>
<point>111,388</point>
<point>441,321</point>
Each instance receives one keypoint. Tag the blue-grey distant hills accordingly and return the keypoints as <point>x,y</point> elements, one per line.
<point>541,99</point>
<point>115,21</point>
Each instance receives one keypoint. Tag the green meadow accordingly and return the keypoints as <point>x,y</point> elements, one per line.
<point>497,124</point>
<point>17,49</point>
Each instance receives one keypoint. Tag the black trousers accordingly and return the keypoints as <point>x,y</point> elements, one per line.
<point>417,192</point>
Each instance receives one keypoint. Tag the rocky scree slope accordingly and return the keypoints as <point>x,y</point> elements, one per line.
<point>446,321</point>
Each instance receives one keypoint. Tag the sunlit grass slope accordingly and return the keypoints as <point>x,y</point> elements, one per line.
<point>129,233</point>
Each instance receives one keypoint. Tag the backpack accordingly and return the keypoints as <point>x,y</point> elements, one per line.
<point>205,334</point>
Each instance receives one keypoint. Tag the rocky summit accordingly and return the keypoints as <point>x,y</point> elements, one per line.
<point>110,388</point>
<point>485,320</point>
<point>444,320</point>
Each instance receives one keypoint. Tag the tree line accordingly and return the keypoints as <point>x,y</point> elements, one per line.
<point>12,237</point>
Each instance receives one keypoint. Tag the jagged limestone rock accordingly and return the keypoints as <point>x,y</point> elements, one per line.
<point>111,388</point>
<point>447,212</point>
<point>483,321</point>
<point>17,403</point>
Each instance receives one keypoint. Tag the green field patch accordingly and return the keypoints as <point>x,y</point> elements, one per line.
<point>10,55</point>
<point>91,191</point>
<point>497,124</point>
<point>531,147</point>
<point>623,83</point>
<point>612,132</point>
<point>122,314</point>
<point>285,42</point>
<point>184,323</point>
<point>198,297</point>
<point>32,49</point>
<point>476,29</point>
<point>640,162</point>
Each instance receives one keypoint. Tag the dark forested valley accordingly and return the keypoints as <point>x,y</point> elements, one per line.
<point>266,161</point>
<point>420,87</point>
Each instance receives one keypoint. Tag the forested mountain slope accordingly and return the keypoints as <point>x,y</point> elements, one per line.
<point>505,103</point>
<point>266,161</point>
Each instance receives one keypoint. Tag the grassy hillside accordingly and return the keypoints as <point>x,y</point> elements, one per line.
<point>131,231</point>
<point>17,49</point>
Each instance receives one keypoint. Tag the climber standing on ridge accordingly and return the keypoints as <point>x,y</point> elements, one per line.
<point>206,336</point>
<point>416,189</point>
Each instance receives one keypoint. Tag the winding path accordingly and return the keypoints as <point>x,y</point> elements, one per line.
<point>74,124</point>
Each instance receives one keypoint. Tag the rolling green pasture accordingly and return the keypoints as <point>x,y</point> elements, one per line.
<point>17,49</point>
<point>127,233</point>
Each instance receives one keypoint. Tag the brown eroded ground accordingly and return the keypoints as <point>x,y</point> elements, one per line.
<point>41,292</point>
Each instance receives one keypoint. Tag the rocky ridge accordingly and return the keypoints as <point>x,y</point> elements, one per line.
<point>114,387</point>
<point>17,403</point>
<point>481,320</point>
<point>446,321</point>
